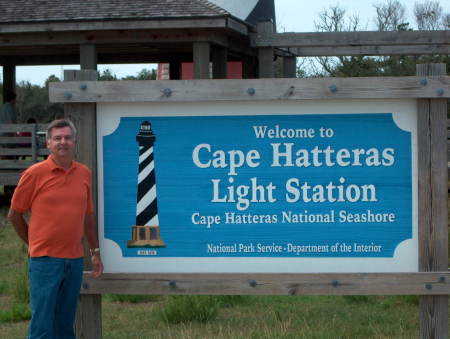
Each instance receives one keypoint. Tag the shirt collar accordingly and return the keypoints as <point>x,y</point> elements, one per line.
<point>53,166</point>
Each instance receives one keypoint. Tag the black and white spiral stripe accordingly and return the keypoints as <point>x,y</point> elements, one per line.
<point>146,210</point>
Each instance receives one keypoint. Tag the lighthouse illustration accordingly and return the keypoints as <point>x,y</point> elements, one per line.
<point>146,231</point>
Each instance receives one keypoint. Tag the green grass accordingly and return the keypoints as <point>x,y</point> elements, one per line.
<point>17,312</point>
<point>186,308</point>
<point>218,317</point>
<point>130,298</point>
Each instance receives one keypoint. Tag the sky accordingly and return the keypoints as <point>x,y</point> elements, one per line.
<point>291,16</point>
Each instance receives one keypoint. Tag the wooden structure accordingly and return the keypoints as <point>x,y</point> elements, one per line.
<point>87,33</point>
<point>124,35</point>
<point>431,89</point>
<point>21,145</point>
<point>34,32</point>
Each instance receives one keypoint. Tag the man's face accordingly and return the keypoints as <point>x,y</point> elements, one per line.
<point>61,143</point>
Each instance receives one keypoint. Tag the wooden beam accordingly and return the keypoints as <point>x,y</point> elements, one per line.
<point>83,115</point>
<point>22,127</point>
<point>9,77</point>
<point>134,55</point>
<point>343,39</point>
<point>265,53</point>
<point>262,89</point>
<point>238,26</point>
<point>290,67</point>
<point>201,51</point>
<point>249,67</point>
<point>88,57</point>
<point>11,178</point>
<point>432,193</point>
<point>149,37</point>
<point>175,70</point>
<point>16,164</point>
<point>372,50</point>
<point>88,322</point>
<point>219,62</point>
<point>158,41</point>
<point>157,24</point>
<point>89,317</point>
<point>434,283</point>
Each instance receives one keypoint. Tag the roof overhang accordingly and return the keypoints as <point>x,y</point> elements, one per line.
<point>121,41</point>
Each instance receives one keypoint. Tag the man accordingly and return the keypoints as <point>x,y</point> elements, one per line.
<point>8,114</point>
<point>57,191</point>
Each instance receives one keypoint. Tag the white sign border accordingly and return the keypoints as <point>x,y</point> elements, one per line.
<point>405,257</point>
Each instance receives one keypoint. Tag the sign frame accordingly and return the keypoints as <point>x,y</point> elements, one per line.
<point>431,88</point>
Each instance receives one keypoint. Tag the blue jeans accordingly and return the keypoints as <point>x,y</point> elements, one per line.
<point>54,289</point>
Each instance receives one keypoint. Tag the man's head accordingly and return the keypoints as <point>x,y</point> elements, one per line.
<point>61,137</point>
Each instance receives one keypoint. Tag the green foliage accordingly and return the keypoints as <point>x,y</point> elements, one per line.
<point>231,300</point>
<point>144,74</point>
<point>106,75</point>
<point>395,301</point>
<point>131,298</point>
<point>17,312</point>
<point>15,274</point>
<point>411,299</point>
<point>20,291</point>
<point>32,102</point>
<point>3,287</point>
<point>389,16</point>
<point>355,299</point>
<point>185,308</point>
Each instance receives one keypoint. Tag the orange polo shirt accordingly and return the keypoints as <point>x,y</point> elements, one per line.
<point>58,200</point>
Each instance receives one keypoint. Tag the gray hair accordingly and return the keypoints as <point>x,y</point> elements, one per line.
<point>60,123</point>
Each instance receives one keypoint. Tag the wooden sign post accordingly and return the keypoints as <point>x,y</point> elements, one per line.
<point>433,222</point>
<point>410,261</point>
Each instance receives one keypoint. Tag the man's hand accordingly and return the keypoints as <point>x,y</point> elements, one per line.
<point>20,224</point>
<point>97,265</point>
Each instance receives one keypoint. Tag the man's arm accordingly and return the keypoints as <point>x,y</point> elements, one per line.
<point>90,231</point>
<point>19,223</point>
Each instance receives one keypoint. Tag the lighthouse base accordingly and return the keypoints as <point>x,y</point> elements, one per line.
<point>145,236</point>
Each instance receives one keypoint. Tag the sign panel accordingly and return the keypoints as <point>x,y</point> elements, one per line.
<point>258,187</point>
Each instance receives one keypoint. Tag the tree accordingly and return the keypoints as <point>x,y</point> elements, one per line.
<point>335,20</point>
<point>51,78</point>
<point>144,74</point>
<point>390,16</point>
<point>446,21</point>
<point>106,75</point>
<point>32,102</point>
<point>429,15</point>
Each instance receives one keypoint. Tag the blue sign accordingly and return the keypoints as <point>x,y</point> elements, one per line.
<point>328,185</point>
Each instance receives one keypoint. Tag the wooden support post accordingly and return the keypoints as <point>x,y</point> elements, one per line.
<point>88,57</point>
<point>9,77</point>
<point>219,62</point>
<point>249,68</point>
<point>83,115</point>
<point>265,54</point>
<point>89,317</point>
<point>201,52</point>
<point>290,67</point>
<point>34,145</point>
<point>175,70</point>
<point>432,191</point>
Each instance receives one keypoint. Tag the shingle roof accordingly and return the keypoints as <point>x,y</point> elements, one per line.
<point>32,11</point>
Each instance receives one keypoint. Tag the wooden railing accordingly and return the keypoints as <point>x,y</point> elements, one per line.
<point>21,145</point>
